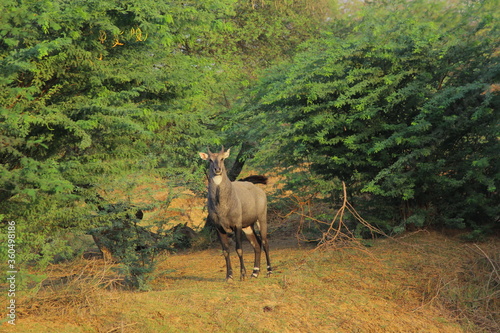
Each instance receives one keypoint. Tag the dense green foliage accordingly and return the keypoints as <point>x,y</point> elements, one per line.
<point>404,107</point>
<point>99,96</point>
<point>84,99</point>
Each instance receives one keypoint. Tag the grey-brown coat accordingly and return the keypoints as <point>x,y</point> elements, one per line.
<point>234,207</point>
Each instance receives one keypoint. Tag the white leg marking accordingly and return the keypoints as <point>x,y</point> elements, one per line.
<point>248,230</point>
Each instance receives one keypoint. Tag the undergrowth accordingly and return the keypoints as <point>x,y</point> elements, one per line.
<point>466,282</point>
<point>72,289</point>
<point>419,272</point>
<point>473,292</point>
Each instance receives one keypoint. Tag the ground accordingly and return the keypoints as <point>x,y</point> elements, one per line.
<point>385,285</point>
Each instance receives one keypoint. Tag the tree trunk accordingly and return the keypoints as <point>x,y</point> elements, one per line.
<point>244,154</point>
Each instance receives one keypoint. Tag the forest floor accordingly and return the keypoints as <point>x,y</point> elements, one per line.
<point>420,282</point>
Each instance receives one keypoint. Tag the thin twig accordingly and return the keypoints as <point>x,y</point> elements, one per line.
<point>495,270</point>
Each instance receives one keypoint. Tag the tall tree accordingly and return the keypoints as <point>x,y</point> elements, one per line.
<point>94,93</point>
<point>90,91</point>
<point>405,107</point>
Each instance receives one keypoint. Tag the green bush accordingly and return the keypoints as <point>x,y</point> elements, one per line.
<point>403,108</point>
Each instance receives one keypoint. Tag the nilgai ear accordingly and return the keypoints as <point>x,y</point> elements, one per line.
<point>226,154</point>
<point>204,156</point>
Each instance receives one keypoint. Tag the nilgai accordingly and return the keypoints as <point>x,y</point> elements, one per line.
<point>237,206</point>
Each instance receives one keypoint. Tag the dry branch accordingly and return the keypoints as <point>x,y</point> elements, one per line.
<point>78,289</point>
<point>338,231</point>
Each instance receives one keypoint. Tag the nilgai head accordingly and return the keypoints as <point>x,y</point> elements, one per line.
<point>216,168</point>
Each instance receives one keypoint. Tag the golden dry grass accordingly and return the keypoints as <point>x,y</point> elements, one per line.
<point>401,285</point>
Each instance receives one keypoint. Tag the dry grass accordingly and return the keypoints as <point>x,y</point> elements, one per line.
<point>416,284</point>
<point>453,276</point>
<point>422,282</point>
<point>72,290</point>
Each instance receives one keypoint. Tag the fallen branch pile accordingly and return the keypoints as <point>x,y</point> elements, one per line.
<point>337,231</point>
